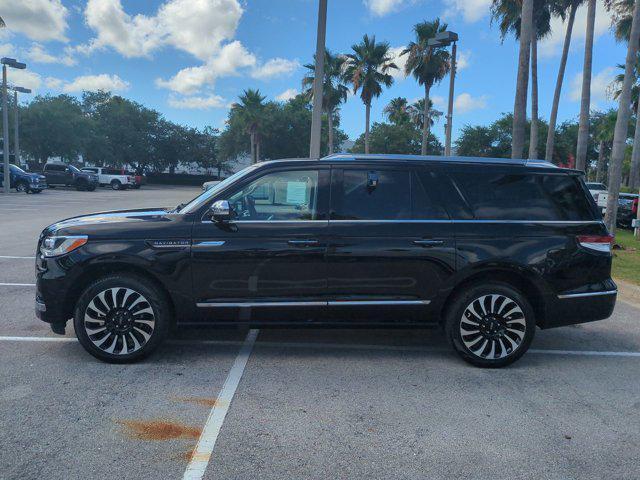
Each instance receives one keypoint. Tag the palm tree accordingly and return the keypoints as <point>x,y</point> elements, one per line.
<point>416,111</point>
<point>520,103</point>
<point>604,127</point>
<point>561,9</point>
<point>507,14</point>
<point>622,17</point>
<point>634,173</point>
<point>250,110</point>
<point>398,110</point>
<point>585,102</point>
<point>334,92</point>
<point>622,121</point>
<point>427,64</point>
<point>367,69</point>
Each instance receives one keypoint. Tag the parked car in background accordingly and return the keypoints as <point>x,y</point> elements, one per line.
<point>627,208</point>
<point>210,184</point>
<point>24,181</point>
<point>111,177</point>
<point>489,249</point>
<point>61,174</point>
<point>596,188</point>
<point>139,179</point>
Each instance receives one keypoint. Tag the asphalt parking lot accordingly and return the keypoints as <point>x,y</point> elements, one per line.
<point>301,403</point>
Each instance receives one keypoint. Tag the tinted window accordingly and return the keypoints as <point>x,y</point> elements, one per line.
<point>596,186</point>
<point>374,195</point>
<point>88,169</point>
<point>55,167</point>
<point>507,196</point>
<point>424,198</point>
<point>287,195</point>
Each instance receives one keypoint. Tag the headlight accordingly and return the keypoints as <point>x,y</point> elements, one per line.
<point>59,245</point>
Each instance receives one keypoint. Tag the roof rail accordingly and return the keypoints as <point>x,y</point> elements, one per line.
<point>437,158</point>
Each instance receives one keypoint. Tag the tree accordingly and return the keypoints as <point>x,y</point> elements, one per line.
<point>634,174</point>
<point>416,111</point>
<point>585,102</point>
<point>334,92</point>
<point>403,138</point>
<point>427,64</point>
<point>367,69</point>
<point>603,133</point>
<point>520,104</point>
<point>624,112</point>
<point>53,126</point>
<point>507,14</point>
<point>398,110</point>
<point>250,111</point>
<point>563,6</point>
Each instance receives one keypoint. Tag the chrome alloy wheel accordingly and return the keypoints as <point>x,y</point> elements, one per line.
<point>119,320</point>
<point>492,326</point>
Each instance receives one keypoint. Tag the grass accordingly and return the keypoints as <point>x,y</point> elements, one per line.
<point>626,263</point>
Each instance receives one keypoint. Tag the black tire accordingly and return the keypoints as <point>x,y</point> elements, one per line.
<point>36,191</point>
<point>116,184</point>
<point>91,188</point>
<point>80,186</point>
<point>22,187</point>
<point>499,320</point>
<point>140,319</point>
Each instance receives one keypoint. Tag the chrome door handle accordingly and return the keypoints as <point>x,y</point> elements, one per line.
<point>303,243</point>
<point>428,243</point>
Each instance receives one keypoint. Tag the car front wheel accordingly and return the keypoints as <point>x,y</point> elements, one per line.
<point>490,325</point>
<point>116,185</point>
<point>121,318</point>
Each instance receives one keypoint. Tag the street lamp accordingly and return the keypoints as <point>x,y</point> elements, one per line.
<point>16,122</point>
<point>13,63</point>
<point>444,39</point>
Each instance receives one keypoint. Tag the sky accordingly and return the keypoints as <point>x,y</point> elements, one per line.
<point>190,59</point>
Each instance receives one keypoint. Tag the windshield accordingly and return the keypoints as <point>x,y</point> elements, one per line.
<point>201,199</point>
<point>16,169</point>
<point>74,169</point>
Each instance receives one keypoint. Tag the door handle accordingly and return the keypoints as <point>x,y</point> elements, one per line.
<point>303,243</point>
<point>428,243</point>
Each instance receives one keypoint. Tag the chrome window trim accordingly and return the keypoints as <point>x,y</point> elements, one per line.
<point>331,303</point>
<point>549,222</point>
<point>270,221</point>
<point>588,294</point>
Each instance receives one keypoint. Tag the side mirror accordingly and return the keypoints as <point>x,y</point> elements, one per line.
<point>221,211</point>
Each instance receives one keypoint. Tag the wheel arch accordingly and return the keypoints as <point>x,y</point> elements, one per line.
<point>523,281</point>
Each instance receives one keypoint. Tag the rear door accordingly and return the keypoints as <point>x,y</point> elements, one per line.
<point>391,243</point>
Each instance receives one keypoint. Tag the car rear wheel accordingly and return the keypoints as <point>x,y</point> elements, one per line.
<point>116,185</point>
<point>490,325</point>
<point>121,318</point>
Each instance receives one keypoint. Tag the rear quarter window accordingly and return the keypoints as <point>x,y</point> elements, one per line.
<point>526,196</point>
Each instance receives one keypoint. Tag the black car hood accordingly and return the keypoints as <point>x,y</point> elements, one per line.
<point>113,223</point>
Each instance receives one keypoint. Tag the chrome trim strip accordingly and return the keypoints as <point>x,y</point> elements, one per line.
<point>549,222</point>
<point>333,303</point>
<point>213,243</point>
<point>260,304</point>
<point>349,303</point>
<point>588,294</point>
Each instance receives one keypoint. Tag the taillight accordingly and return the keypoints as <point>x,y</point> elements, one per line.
<point>599,243</point>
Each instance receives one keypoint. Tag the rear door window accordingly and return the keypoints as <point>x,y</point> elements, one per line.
<point>527,196</point>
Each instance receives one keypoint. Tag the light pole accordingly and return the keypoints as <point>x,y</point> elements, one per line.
<point>444,39</point>
<point>11,62</point>
<point>318,81</point>
<point>16,122</point>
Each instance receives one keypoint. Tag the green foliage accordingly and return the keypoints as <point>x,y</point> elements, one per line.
<point>427,64</point>
<point>404,138</point>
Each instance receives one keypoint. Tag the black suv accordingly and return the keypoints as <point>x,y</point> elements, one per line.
<point>60,174</point>
<point>487,248</point>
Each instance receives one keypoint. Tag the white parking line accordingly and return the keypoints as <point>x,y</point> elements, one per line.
<point>38,339</point>
<point>202,453</point>
<point>17,284</point>
<point>15,257</point>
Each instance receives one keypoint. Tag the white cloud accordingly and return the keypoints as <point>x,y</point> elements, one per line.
<point>198,103</point>
<point>7,49</point>
<point>38,54</point>
<point>438,101</point>
<point>471,10</point>
<point>228,61</point>
<point>53,83</point>
<point>40,20</point>
<point>274,68</point>
<point>552,45</point>
<point>465,103</point>
<point>381,8</point>
<point>197,27</point>
<point>288,94</point>
<point>95,82</point>
<point>399,60</point>
<point>600,86</point>
<point>24,78</point>
<point>462,61</point>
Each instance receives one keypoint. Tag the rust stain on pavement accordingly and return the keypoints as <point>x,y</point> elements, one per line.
<point>158,430</point>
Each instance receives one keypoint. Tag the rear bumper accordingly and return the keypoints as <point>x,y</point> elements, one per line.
<point>580,307</point>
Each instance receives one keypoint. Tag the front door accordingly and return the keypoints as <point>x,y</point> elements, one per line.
<point>391,243</point>
<point>268,263</point>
